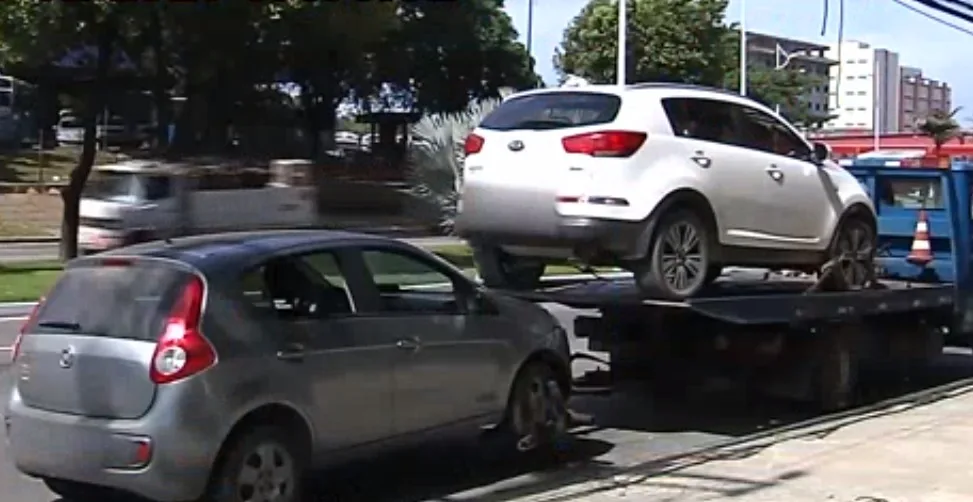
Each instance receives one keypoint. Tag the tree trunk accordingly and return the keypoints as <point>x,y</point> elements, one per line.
<point>71,195</point>
<point>160,94</point>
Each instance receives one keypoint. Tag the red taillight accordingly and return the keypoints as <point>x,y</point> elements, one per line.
<point>23,328</point>
<point>473,144</point>
<point>605,143</point>
<point>116,262</point>
<point>182,351</point>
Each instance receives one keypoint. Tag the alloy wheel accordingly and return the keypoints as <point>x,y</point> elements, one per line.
<point>268,474</point>
<point>682,263</point>
<point>854,255</point>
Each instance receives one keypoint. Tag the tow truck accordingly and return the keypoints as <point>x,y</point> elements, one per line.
<point>784,336</point>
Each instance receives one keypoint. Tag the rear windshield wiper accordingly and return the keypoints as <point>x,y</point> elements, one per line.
<point>541,124</point>
<point>68,326</point>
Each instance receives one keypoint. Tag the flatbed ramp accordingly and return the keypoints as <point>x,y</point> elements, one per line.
<point>754,301</point>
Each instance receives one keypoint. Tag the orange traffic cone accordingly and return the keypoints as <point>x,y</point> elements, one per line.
<point>921,253</point>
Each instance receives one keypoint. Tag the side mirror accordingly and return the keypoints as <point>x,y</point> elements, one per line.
<point>822,152</point>
<point>483,305</point>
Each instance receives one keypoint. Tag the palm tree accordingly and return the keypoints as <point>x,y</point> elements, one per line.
<point>435,160</point>
<point>941,126</point>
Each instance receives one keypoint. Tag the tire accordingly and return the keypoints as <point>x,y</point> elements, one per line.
<point>853,251</point>
<point>678,229</point>
<point>498,269</point>
<point>537,418</point>
<point>261,452</point>
<point>72,491</point>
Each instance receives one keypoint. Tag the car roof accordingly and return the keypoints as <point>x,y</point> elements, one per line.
<point>229,250</point>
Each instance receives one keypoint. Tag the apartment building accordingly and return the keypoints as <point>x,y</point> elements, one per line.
<point>770,51</point>
<point>920,96</point>
<point>865,88</point>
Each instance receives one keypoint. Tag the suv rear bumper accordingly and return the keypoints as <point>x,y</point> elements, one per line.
<point>60,446</point>
<point>590,235</point>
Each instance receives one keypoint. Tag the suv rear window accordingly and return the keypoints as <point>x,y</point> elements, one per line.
<point>554,110</point>
<point>111,301</point>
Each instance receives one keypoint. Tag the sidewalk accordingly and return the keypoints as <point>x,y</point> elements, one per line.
<point>909,453</point>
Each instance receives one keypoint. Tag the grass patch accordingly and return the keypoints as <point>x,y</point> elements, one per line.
<point>27,281</point>
<point>47,166</point>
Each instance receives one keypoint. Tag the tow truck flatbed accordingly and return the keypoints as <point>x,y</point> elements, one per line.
<point>754,301</point>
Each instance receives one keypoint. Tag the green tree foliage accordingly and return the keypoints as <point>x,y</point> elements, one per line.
<point>224,56</point>
<point>448,53</point>
<point>37,33</point>
<point>668,41</point>
<point>677,41</point>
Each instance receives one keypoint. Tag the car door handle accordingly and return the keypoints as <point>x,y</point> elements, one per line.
<point>410,344</point>
<point>701,159</point>
<point>292,352</point>
<point>774,172</point>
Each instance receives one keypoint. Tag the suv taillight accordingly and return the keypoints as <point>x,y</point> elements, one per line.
<point>182,351</point>
<point>23,329</point>
<point>605,143</point>
<point>473,144</point>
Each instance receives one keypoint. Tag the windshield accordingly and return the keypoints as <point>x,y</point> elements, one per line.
<point>128,187</point>
<point>554,110</point>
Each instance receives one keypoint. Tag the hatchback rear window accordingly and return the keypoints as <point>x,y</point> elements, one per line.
<point>554,110</point>
<point>130,301</point>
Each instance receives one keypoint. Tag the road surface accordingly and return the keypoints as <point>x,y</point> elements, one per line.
<point>633,429</point>
<point>33,251</point>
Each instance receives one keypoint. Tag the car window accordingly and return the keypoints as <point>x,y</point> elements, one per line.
<point>117,301</point>
<point>911,193</point>
<point>408,284</point>
<point>703,119</point>
<point>554,110</point>
<point>310,286</point>
<point>762,131</point>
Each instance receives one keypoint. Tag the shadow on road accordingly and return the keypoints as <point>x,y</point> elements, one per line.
<point>636,439</point>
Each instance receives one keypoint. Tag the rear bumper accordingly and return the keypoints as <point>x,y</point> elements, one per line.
<point>620,238</point>
<point>55,445</point>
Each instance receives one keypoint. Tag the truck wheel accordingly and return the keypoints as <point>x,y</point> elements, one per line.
<point>678,263</point>
<point>499,269</point>
<point>537,417</point>
<point>852,253</point>
<point>262,464</point>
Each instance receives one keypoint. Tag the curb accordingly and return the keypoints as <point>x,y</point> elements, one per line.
<point>30,240</point>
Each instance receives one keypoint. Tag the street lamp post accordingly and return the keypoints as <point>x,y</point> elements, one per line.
<point>743,47</point>
<point>530,26</point>
<point>622,41</point>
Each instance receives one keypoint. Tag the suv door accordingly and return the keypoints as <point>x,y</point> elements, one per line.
<point>344,372</point>
<point>795,194</point>
<point>706,138</point>
<point>449,366</point>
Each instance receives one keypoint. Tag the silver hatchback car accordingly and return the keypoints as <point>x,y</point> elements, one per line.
<point>224,367</point>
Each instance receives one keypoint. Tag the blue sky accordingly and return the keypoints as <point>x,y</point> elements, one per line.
<point>919,41</point>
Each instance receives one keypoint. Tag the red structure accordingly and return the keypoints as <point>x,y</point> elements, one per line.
<point>849,145</point>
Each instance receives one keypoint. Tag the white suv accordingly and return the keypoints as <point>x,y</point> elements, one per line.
<point>672,182</point>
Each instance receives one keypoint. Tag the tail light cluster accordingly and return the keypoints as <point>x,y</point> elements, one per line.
<point>473,144</point>
<point>605,143</point>
<point>23,328</point>
<point>182,350</point>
